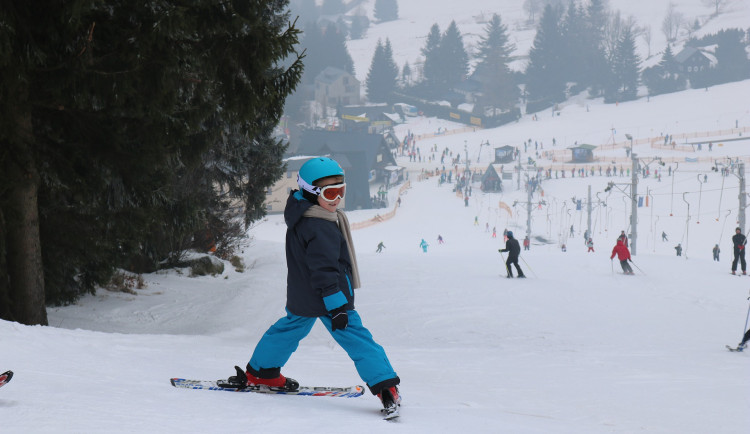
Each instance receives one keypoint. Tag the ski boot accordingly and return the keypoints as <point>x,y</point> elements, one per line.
<point>391,399</point>
<point>741,346</point>
<point>245,379</point>
<point>521,276</point>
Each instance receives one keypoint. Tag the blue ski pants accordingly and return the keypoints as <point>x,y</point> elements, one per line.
<point>281,340</point>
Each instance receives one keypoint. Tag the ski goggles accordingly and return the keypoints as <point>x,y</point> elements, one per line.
<point>333,192</point>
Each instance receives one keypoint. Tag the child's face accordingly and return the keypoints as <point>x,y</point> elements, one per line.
<point>329,206</point>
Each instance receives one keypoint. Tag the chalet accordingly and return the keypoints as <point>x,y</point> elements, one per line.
<point>368,119</point>
<point>583,153</point>
<point>491,179</point>
<point>505,154</point>
<point>365,158</point>
<point>691,60</point>
<point>335,87</point>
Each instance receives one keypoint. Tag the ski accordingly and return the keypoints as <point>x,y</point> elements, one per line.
<point>735,350</point>
<point>5,377</point>
<point>337,392</point>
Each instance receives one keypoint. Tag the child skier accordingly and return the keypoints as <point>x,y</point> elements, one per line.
<point>590,245</point>
<point>623,254</point>
<point>322,274</point>
<point>423,244</point>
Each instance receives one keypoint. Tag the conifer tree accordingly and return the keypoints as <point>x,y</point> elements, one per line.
<point>596,66</point>
<point>431,52</point>
<point>406,74</point>
<point>625,68</point>
<point>454,61</point>
<point>386,10</point>
<point>334,50</point>
<point>381,79</point>
<point>544,82</point>
<point>664,77</point>
<point>731,57</point>
<point>108,110</point>
<point>574,32</point>
<point>498,88</point>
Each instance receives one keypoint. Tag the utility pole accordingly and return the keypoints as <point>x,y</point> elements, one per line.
<point>519,169</point>
<point>743,196</point>
<point>529,205</point>
<point>633,198</point>
<point>528,210</point>
<point>588,219</point>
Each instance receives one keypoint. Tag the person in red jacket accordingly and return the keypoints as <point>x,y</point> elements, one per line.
<point>623,254</point>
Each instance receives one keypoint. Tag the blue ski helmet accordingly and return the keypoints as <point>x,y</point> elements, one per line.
<point>313,170</point>
<point>509,234</point>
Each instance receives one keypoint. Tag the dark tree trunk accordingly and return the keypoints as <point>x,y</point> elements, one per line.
<point>5,304</point>
<point>23,245</point>
<point>24,248</point>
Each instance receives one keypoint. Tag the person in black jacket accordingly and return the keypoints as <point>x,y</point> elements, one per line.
<point>739,241</point>
<point>513,249</point>
<point>322,275</point>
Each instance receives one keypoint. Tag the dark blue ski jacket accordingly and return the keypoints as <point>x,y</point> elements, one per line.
<point>318,264</point>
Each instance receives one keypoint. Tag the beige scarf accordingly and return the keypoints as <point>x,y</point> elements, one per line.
<point>317,211</point>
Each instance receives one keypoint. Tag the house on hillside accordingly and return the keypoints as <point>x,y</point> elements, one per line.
<point>505,154</point>
<point>583,153</point>
<point>367,119</point>
<point>365,158</point>
<point>691,60</point>
<point>491,180</point>
<point>334,87</point>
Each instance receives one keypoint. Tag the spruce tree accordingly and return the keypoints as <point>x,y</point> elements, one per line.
<point>406,75</point>
<point>334,51</point>
<point>432,63</point>
<point>108,112</point>
<point>386,10</point>
<point>664,77</point>
<point>731,57</point>
<point>381,79</point>
<point>453,59</point>
<point>315,57</point>
<point>596,65</point>
<point>625,68</point>
<point>498,89</point>
<point>544,82</point>
<point>667,63</point>
<point>574,33</point>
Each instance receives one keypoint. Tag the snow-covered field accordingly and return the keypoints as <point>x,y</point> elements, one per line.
<point>576,348</point>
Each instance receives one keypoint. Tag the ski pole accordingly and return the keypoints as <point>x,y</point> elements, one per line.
<point>529,267</point>
<point>639,268</point>
<point>503,256</point>
<point>612,263</point>
<point>746,318</point>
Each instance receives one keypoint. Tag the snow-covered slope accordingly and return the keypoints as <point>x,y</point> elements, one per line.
<point>576,348</point>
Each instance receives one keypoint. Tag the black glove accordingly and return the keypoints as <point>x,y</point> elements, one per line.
<point>339,318</point>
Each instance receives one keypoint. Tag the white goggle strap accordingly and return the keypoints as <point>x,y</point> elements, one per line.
<point>307,187</point>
